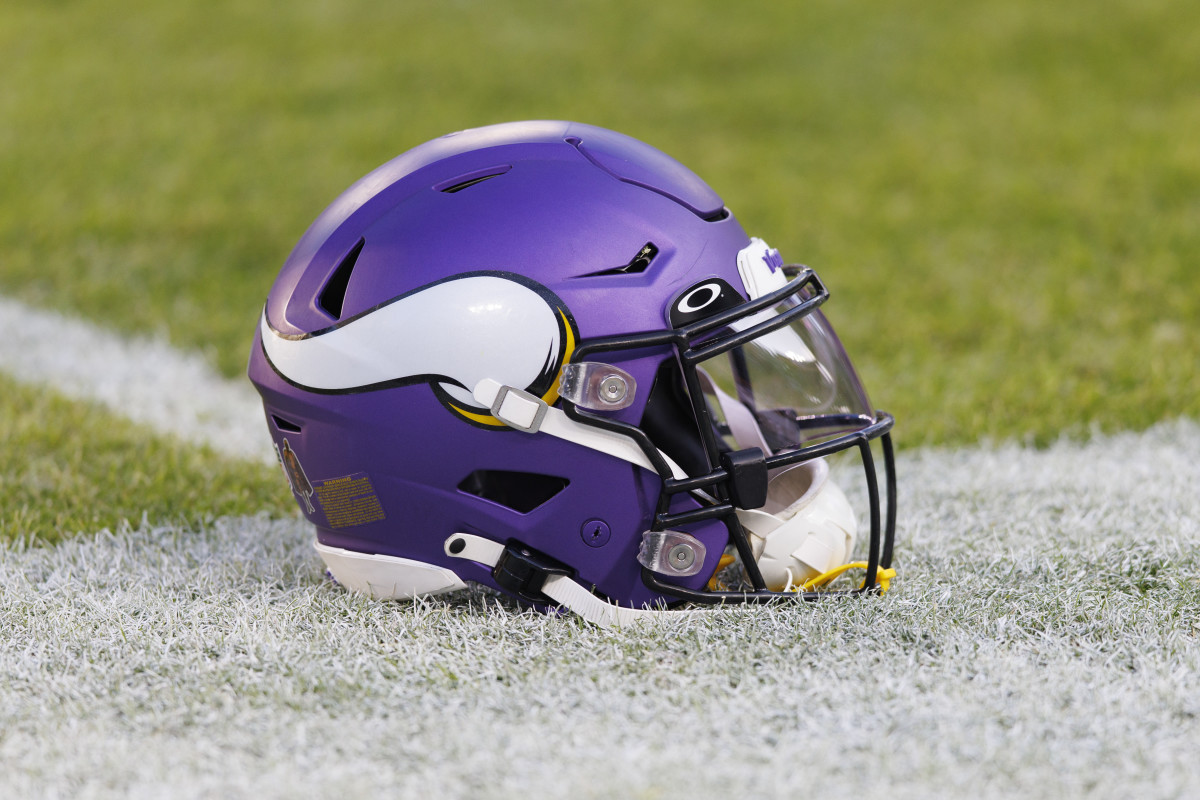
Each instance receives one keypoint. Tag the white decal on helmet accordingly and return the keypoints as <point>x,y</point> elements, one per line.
<point>759,264</point>
<point>450,334</point>
<point>761,270</point>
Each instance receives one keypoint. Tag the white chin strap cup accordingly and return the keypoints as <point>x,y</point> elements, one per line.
<point>798,539</point>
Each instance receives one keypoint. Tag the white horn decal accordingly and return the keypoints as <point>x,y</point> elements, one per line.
<point>451,334</point>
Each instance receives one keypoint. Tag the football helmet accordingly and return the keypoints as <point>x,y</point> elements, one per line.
<point>544,357</point>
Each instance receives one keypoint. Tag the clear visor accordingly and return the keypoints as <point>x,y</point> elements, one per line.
<point>787,388</point>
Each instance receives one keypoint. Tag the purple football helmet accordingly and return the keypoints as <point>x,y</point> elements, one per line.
<point>544,357</point>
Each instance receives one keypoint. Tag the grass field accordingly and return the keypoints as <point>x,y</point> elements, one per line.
<point>1041,641</point>
<point>1003,197</point>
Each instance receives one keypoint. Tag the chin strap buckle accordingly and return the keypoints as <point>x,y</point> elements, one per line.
<point>524,572</point>
<point>519,409</point>
<point>514,407</point>
<point>515,567</point>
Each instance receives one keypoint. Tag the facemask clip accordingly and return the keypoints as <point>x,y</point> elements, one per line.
<point>747,471</point>
<point>671,553</point>
<point>597,386</point>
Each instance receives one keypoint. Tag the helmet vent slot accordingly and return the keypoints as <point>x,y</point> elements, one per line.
<point>517,491</point>
<point>333,295</point>
<point>285,425</point>
<point>637,265</point>
<point>471,179</point>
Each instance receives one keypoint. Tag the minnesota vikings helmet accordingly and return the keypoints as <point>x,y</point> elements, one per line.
<point>544,357</point>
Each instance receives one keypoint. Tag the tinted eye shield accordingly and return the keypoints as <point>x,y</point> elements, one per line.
<point>738,479</point>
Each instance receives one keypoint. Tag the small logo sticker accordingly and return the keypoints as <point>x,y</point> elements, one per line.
<point>701,300</point>
<point>295,475</point>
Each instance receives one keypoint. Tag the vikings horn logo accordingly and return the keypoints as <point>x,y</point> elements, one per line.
<point>450,334</point>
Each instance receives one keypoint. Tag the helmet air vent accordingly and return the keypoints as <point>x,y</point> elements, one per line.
<point>334,294</point>
<point>637,265</point>
<point>457,184</point>
<point>521,492</point>
<point>285,425</point>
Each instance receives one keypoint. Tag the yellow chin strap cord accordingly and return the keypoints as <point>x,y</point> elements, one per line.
<point>713,583</point>
<point>884,576</point>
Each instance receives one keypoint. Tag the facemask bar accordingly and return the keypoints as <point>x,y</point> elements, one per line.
<point>715,489</point>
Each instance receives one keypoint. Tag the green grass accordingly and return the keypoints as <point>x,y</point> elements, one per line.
<point>1002,195</point>
<point>68,467</point>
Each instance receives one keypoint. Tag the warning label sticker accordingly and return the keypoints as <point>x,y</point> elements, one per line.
<point>348,501</point>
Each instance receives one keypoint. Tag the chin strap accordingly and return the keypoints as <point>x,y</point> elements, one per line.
<point>573,596</point>
<point>560,588</point>
<point>882,576</point>
<point>738,416</point>
<point>523,411</point>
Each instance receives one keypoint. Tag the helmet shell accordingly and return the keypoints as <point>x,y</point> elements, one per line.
<point>565,206</point>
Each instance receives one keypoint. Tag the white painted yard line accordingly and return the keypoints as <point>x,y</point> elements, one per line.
<point>144,379</point>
